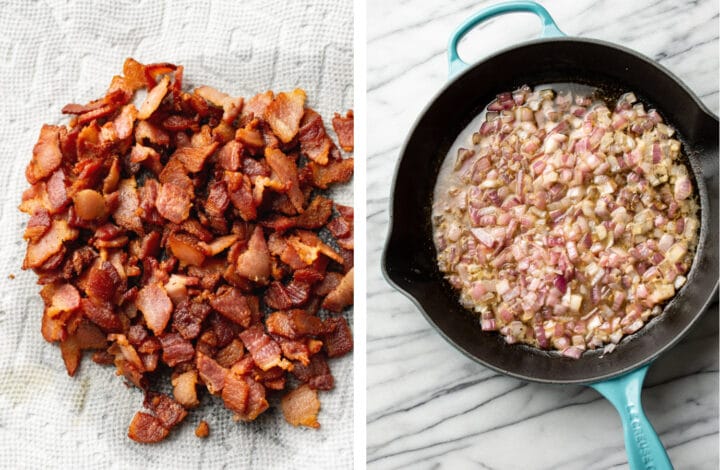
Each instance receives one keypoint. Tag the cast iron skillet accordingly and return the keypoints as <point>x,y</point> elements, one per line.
<point>409,258</point>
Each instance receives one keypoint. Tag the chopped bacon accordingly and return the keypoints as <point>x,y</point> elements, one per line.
<point>188,317</point>
<point>315,144</point>
<point>184,389</point>
<point>287,173</point>
<point>284,114</point>
<point>254,263</point>
<point>336,171</point>
<point>263,349</point>
<point>168,411</point>
<point>194,157</point>
<point>230,302</point>
<point>126,213</point>
<point>47,155</point>
<point>212,374</point>
<point>49,244</point>
<point>301,406</point>
<point>153,99</point>
<point>202,430</point>
<point>344,129</point>
<point>156,306</point>
<point>339,341</point>
<point>342,295</point>
<point>316,373</point>
<point>162,233</point>
<point>186,248</point>
<point>176,349</point>
<point>173,203</point>
<point>147,429</point>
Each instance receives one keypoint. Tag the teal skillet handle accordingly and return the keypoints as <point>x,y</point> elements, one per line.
<point>550,29</point>
<point>644,448</point>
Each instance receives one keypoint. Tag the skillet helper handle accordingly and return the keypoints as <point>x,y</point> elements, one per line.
<point>550,29</point>
<point>644,449</point>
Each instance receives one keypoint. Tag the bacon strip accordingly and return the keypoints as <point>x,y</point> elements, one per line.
<point>344,129</point>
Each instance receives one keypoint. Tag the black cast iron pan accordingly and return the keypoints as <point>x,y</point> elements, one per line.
<point>409,258</point>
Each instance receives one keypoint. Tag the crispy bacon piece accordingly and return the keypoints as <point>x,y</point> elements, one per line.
<point>339,341</point>
<point>176,349</point>
<point>186,248</point>
<point>263,349</point>
<point>89,204</point>
<point>47,155</point>
<point>153,99</point>
<point>194,157</point>
<point>212,374</point>
<point>126,213</point>
<point>344,129</point>
<point>184,389</point>
<point>202,430</point>
<point>173,203</point>
<point>315,144</point>
<point>316,373</point>
<point>336,171</point>
<point>168,411</point>
<point>156,306</point>
<point>286,171</point>
<point>254,263</point>
<point>342,295</point>
<point>147,429</point>
<point>188,317</point>
<point>284,114</point>
<point>102,314</point>
<point>230,302</point>
<point>49,244</point>
<point>239,189</point>
<point>301,406</point>
<point>294,324</point>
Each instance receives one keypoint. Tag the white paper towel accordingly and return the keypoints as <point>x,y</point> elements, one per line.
<point>54,53</point>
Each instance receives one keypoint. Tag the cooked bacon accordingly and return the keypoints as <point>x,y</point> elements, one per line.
<point>186,248</point>
<point>188,317</point>
<point>168,411</point>
<point>254,263</point>
<point>336,171</point>
<point>184,389</point>
<point>263,349</point>
<point>212,374</point>
<point>315,144</point>
<point>158,232</point>
<point>153,99</point>
<point>176,349</point>
<point>342,295</point>
<point>240,191</point>
<point>147,429</point>
<point>156,306</point>
<point>230,302</point>
<point>173,203</point>
<point>47,155</point>
<point>126,213</point>
<point>49,244</point>
<point>316,373</point>
<point>194,157</point>
<point>301,406</point>
<point>202,430</point>
<point>344,129</point>
<point>229,156</point>
<point>288,175</point>
<point>339,341</point>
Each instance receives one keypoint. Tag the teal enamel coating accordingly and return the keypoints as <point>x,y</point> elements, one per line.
<point>550,29</point>
<point>643,446</point>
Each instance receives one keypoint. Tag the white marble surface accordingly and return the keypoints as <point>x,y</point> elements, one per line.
<point>429,406</point>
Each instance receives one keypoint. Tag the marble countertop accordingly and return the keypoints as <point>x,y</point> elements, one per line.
<point>428,405</point>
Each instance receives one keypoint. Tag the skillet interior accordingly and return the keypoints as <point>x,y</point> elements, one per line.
<point>409,257</point>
